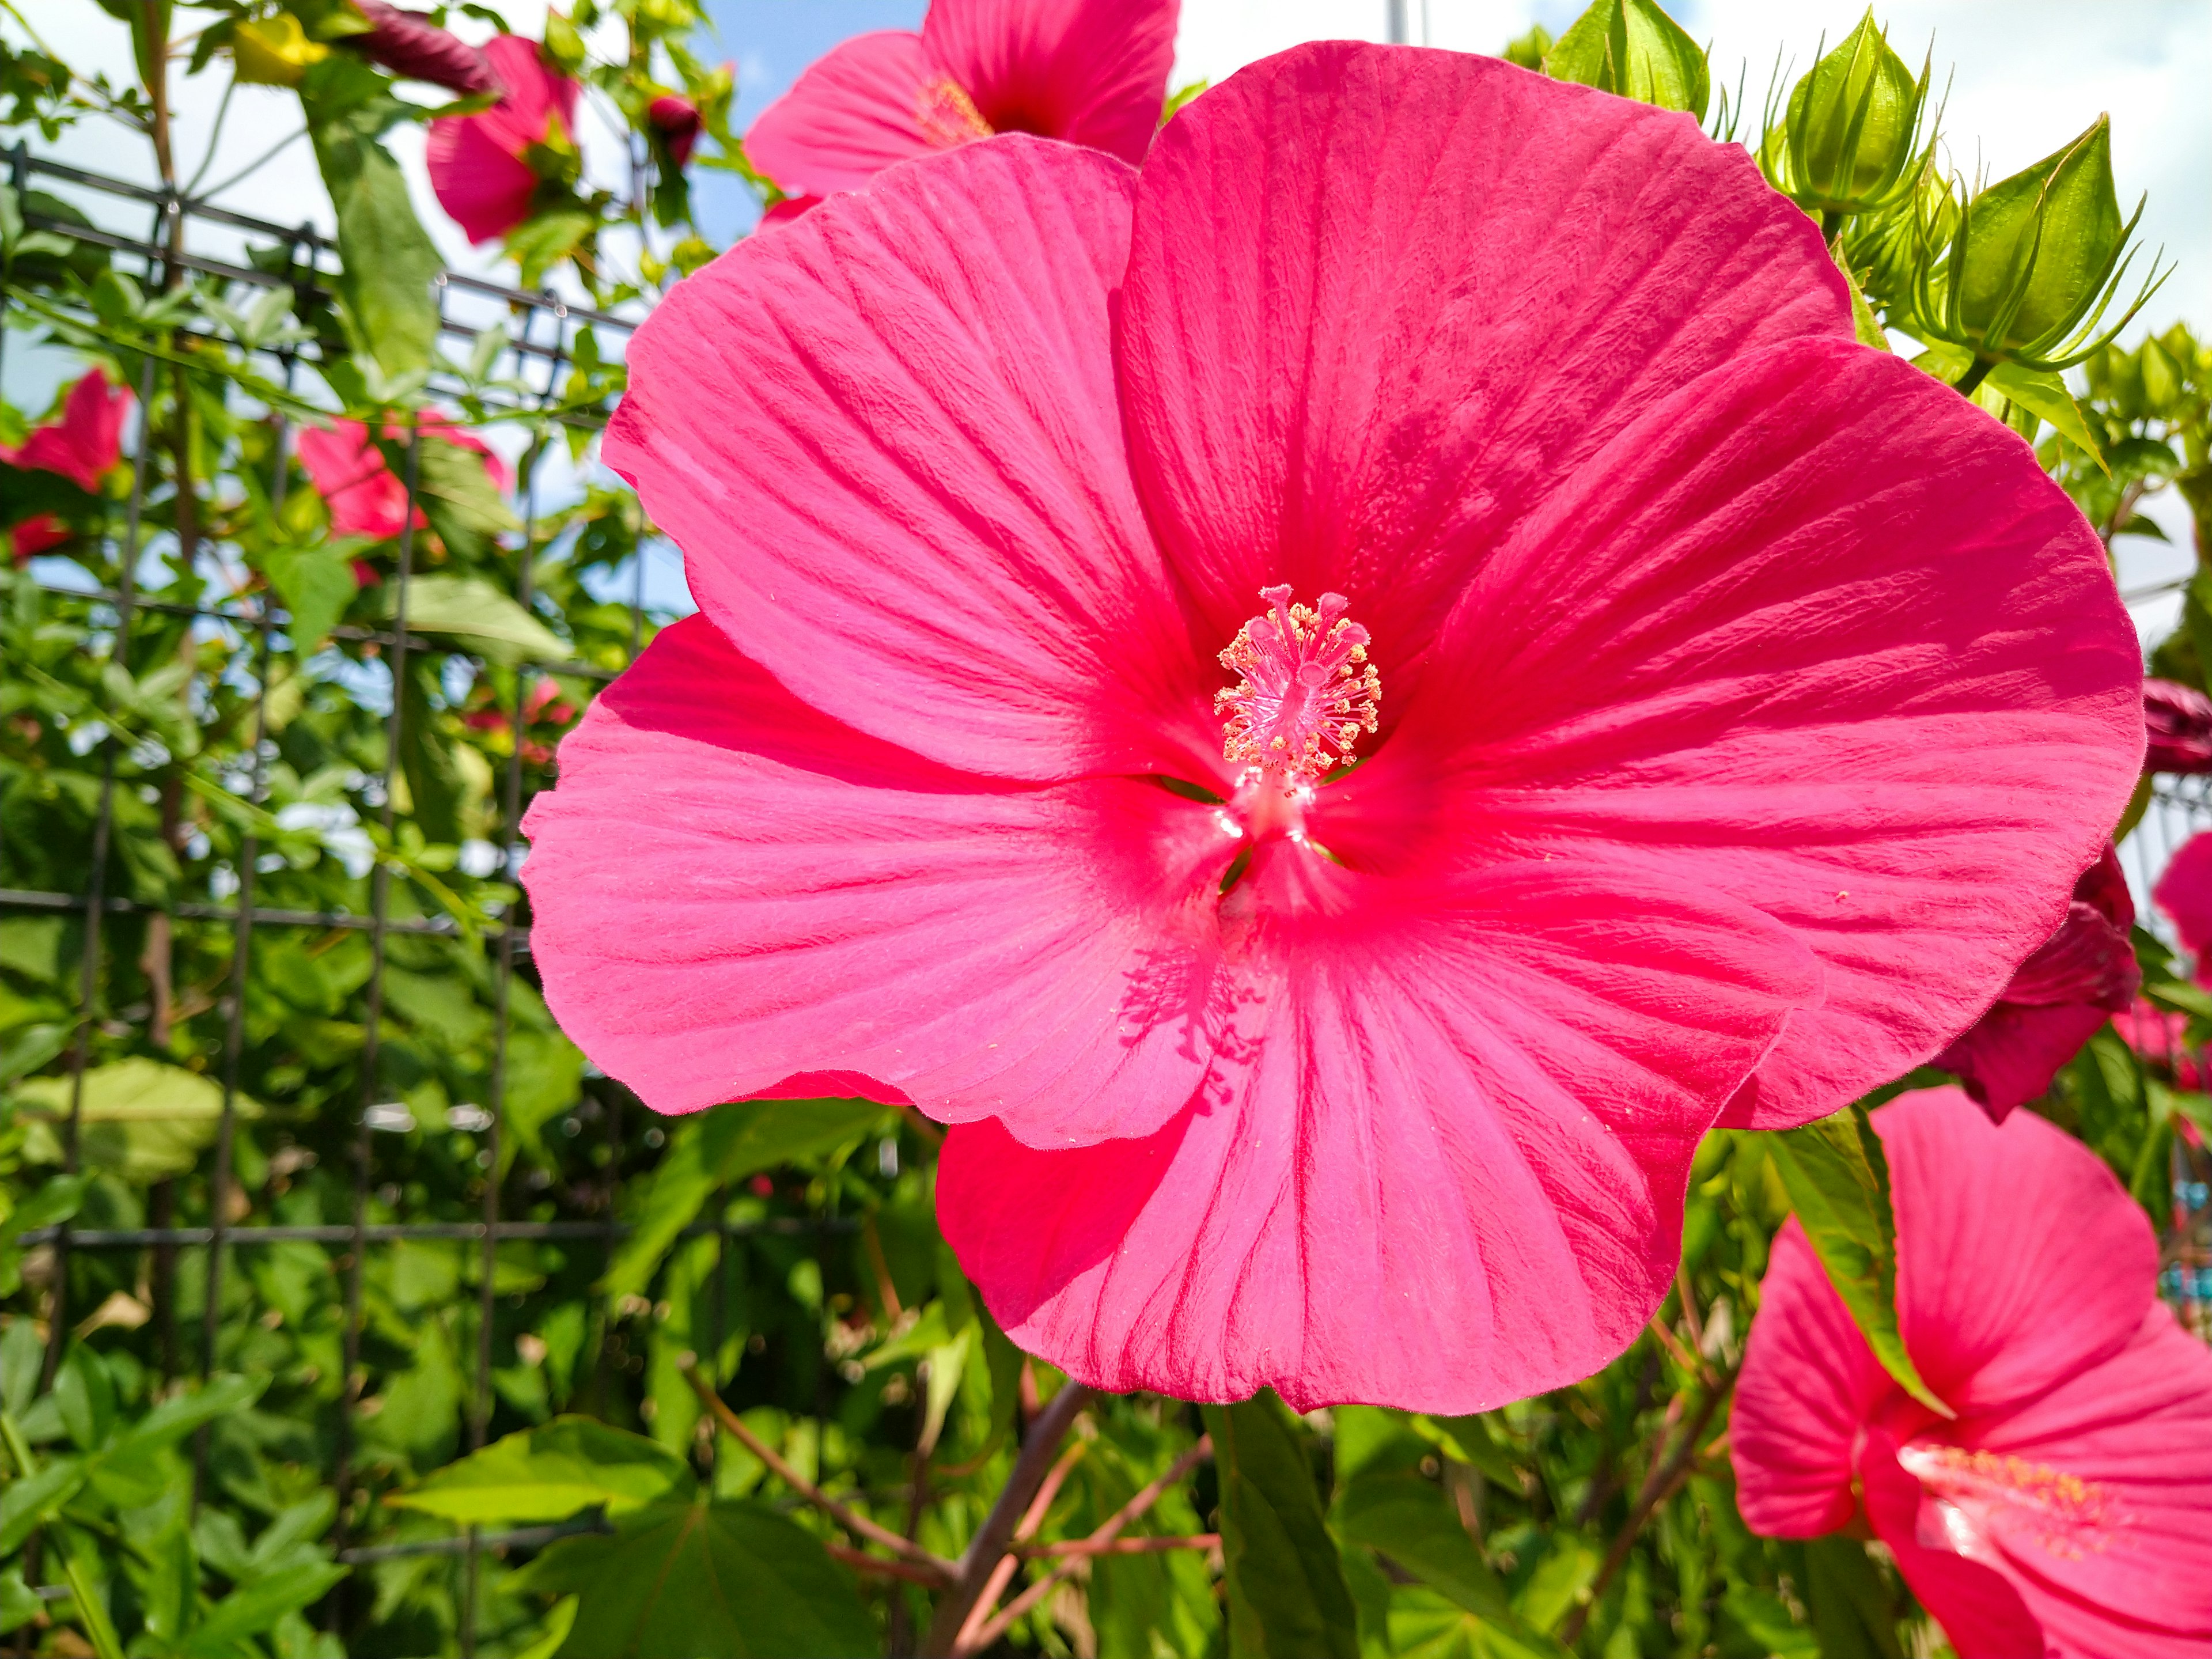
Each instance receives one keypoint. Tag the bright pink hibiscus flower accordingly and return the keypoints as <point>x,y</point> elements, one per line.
<point>2066,1510</point>
<point>35,536</point>
<point>2159,1037</point>
<point>1087,71</point>
<point>365,497</point>
<point>2185,893</point>
<point>85,442</point>
<point>1746,700</point>
<point>482,166</point>
<point>2179,719</point>
<point>2083,975</point>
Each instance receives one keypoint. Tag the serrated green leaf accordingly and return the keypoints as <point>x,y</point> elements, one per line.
<point>551,1472</point>
<point>2044,395</point>
<point>703,1581</point>
<point>1838,1184</point>
<point>1287,1597</point>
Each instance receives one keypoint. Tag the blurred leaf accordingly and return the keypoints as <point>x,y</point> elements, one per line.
<point>252,1609</point>
<point>140,1119</point>
<point>703,1580</point>
<point>479,615</point>
<point>1287,1597</point>
<point>316,582</point>
<point>457,493</point>
<point>1852,1611</point>
<point>387,263</point>
<point>1838,1183</point>
<point>551,1473</point>
<point>720,1146</point>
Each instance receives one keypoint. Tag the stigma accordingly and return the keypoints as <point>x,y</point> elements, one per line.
<point>1304,693</point>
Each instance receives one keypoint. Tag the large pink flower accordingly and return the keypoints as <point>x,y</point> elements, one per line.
<point>1089,71</point>
<point>364,496</point>
<point>86,442</point>
<point>2083,975</point>
<point>1748,703</point>
<point>480,166</point>
<point>2066,1510</point>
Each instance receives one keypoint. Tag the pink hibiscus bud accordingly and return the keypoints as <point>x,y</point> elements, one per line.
<point>2179,721</point>
<point>676,120</point>
<point>410,45</point>
<point>1089,72</point>
<point>364,496</point>
<point>85,442</point>
<point>2061,996</point>
<point>486,169</point>
<point>2064,1510</point>
<point>1329,792</point>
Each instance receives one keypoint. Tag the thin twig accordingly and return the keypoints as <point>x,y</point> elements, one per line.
<point>1672,1343</point>
<point>1691,1317</point>
<point>860,1562</point>
<point>1198,1540</point>
<point>1103,1534</point>
<point>981,1559</point>
<point>942,1571</point>
<point>1032,1518</point>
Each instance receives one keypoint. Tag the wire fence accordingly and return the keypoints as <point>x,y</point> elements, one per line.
<point>542,340</point>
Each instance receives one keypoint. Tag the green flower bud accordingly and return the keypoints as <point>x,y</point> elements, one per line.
<point>1528,50</point>
<point>1888,251</point>
<point>1632,48</point>
<point>2036,249</point>
<point>1853,130</point>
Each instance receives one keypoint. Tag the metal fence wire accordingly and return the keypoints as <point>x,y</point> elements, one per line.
<point>543,332</point>
<point>178,237</point>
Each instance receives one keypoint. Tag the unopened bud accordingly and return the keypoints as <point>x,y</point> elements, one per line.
<point>1634,49</point>
<point>2178,721</point>
<point>677,122</point>
<point>410,45</point>
<point>1888,251</point>
<point>1853,129</point>
<point>2039,246</point>
<point>274,52</point>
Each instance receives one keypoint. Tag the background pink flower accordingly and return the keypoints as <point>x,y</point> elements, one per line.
<point>86,442</point>
<point>1088,71</point>
<point>2185,893</point>
<point>1687,745</point>
<point>2066,1510</point>
<point>2082,975</point>
<point>479,164</point>
<point>409,44</point>
<point>2159,1037</point>
<point>2179,719</point>
<point>365,497</point>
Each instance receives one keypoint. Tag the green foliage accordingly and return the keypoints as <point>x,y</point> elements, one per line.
<point>1849,140</point>
<point>1633,48</point>
<point>1286,1589</point>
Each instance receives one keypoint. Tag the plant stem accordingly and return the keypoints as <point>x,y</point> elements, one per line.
<point>1976,373</point>
<point>941,1571</point>
<point>981,1559</point>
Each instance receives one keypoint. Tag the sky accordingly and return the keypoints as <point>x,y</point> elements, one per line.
<point>2024,77</point>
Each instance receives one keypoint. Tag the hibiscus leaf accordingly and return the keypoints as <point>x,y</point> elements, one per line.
<point>316,582</point>
<point>485,620</point>
<point>722,1579</point>
<point>1287,1598</point>
<point>551,1473</point>
<point>2044,395</point>
<point>1838,1184</point>
<point>720,1146</point>
<point>1853,1611</point>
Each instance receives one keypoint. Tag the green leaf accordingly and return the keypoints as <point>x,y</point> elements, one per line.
<point>1425,1624</point>
<point>316,582</point>
<point>1287,1597</point>
<point>1838,1184</point>
<point>1864,324</point>
<point>1851,1607</point>
<point>30,1502</point>
<point>720,1146</point>
<point>2044,394</point>
<point>388,265</point>
<point>479,615</point>
<point>551,1473</point>
<point>18,1604</point>
<point>1411,1521</point>
<point>182,1414</point>
<point>140,1119</point>
<point>703,1581</point>
<point>1634,49</point>
<point>457,494</point>
<point>251,1608</point>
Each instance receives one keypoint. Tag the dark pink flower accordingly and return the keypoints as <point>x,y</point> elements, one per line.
<point>409,44</point>
<point>2179,719</point>
<point>676,121</point>
<point>1087,71</point>
<point>2185,893</point>
<point>2084,973</point>
<point>2159,1037</point>
<point>1747,703</point>
<point>35,536</point>
<point>364,496</point>
<point>2065,1511</point>
<point>85,442</point>
<point>482,166</point>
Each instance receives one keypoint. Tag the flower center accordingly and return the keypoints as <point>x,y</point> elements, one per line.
<point>1973,1490</point>
<point>1304,693</point>
<point>947,115</point>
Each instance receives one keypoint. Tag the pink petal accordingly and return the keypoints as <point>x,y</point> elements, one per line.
<point>86,442</point>
<point>1440,1167</point>
<point>1381,302</point>
<point>2185,893</point>
<point>1808,1383</point>
<point>1901,720</point>
<point>2095,1500</point>
<point>730,888</point>
<point>37,535</point>
<point>476,161</point>
<point>887,438</point>
<point>2013,1051</point>
<point>1995,1304</point>
<point>785,211</point>
<point>1979,1610</point>
<point>347,471</point>
<point>1088,71</point>
<point>856,110</point>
